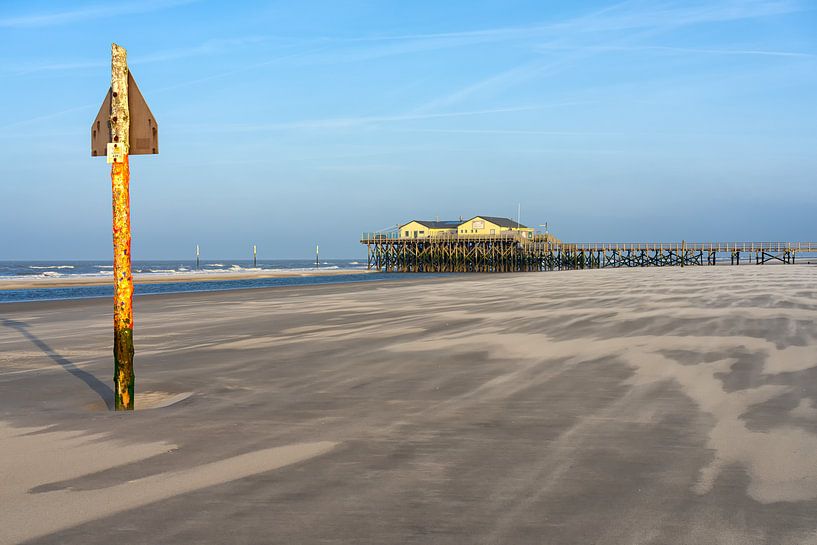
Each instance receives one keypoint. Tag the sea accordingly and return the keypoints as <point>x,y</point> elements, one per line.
<point>104,269</point>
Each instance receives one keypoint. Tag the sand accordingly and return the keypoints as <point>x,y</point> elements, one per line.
<point>160,278</point>
<point>33,456</point>
<point>671,406</point>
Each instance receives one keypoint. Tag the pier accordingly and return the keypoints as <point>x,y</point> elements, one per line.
<point>388,252</point>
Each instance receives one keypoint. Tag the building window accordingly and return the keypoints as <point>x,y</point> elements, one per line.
<point>407,233</point>
<point>493,231</point>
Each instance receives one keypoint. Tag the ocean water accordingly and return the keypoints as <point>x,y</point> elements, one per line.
<point>100,269</point>
<point>69,269</point>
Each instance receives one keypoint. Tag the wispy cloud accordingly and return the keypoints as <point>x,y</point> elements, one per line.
<point>361,168</point>
<point>207,48</point>
<point>624,16</point>
<point>492,84</point>
<point>619,25</point>
<point>52,115</point>
<point>643,14</point>
<point>210,47</point>
<point>88,12</point>
<point>628,15</point>
<point>242,69</point>
<point>692,50</point>
<point>521,132</point>
<point>60,113</point>
<point>359,121</point>
<point>372,47</point>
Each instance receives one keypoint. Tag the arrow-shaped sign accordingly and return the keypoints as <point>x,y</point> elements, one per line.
<point>144,131</point>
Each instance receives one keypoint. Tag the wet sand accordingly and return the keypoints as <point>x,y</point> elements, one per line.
<point>666,406</point>
<point>158,278</point>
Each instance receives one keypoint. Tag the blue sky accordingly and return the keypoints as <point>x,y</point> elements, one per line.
<point>289,123</point>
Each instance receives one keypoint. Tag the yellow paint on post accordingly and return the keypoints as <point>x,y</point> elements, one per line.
<point>123,280</point>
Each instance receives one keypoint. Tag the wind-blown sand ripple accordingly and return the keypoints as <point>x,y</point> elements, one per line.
<point>34,457</point>
<point>671,406</point>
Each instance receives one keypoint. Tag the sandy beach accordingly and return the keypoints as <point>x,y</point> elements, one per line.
<point>666,406</point>
<point>159,278</point>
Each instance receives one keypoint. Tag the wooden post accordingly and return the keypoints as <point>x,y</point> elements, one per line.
<point>123,281</point>
<point>254,253</point>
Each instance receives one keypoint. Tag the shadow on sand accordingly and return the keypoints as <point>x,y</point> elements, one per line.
<point>102,390</point>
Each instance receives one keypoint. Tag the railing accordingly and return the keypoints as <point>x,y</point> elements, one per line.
<point>551,243</point>
<point>390,235</point>
<point>771,246</point>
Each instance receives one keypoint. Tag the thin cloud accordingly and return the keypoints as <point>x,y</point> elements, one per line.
<point>353,122</point>
<point>361,168</point>
<point>51,115</point>
<point>210,47</point>
<point>360,49</point>
<point>617,17</point>
<point>693,50</point>
<point>89,13</point>
<point>153,91</point>
<point>243,69</point>
<point>758,52</point>
<point>629,15</point>
<point>493,83</point>
<point>521,132</point>
<point>623,18</point>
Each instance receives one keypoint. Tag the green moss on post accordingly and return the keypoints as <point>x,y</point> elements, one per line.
<point>123,378</point>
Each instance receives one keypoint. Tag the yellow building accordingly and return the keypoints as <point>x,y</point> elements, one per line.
<point>489,225</point>
<point>426,229</point>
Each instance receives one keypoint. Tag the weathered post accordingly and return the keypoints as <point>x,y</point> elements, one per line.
<point>198,263</point>
<point>123,280</point>
<point>317,256</point>
<point>253,256</point>
<point>123,126</point>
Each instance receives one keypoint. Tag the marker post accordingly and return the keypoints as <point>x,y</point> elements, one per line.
<point>124,379</point>
<point>124,126</point>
